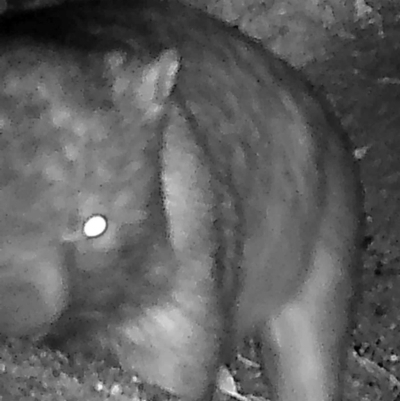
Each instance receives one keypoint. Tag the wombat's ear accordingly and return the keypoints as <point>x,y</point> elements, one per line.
<point>145,87</point>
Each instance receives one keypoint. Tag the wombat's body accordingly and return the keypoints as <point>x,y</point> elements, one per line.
<point>232,203</point>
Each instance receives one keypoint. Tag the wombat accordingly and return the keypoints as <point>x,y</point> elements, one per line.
<point>168,187</point>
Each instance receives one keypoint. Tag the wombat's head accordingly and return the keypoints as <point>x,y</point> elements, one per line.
<point>79,178</point>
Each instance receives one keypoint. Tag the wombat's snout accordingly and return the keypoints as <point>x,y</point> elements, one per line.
<point>32,292</point>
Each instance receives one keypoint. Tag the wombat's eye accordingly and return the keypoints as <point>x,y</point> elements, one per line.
<point>95,226</point>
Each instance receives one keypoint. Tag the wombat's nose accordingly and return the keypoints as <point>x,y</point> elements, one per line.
<point>33,291</point>
<point>22,307</point>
